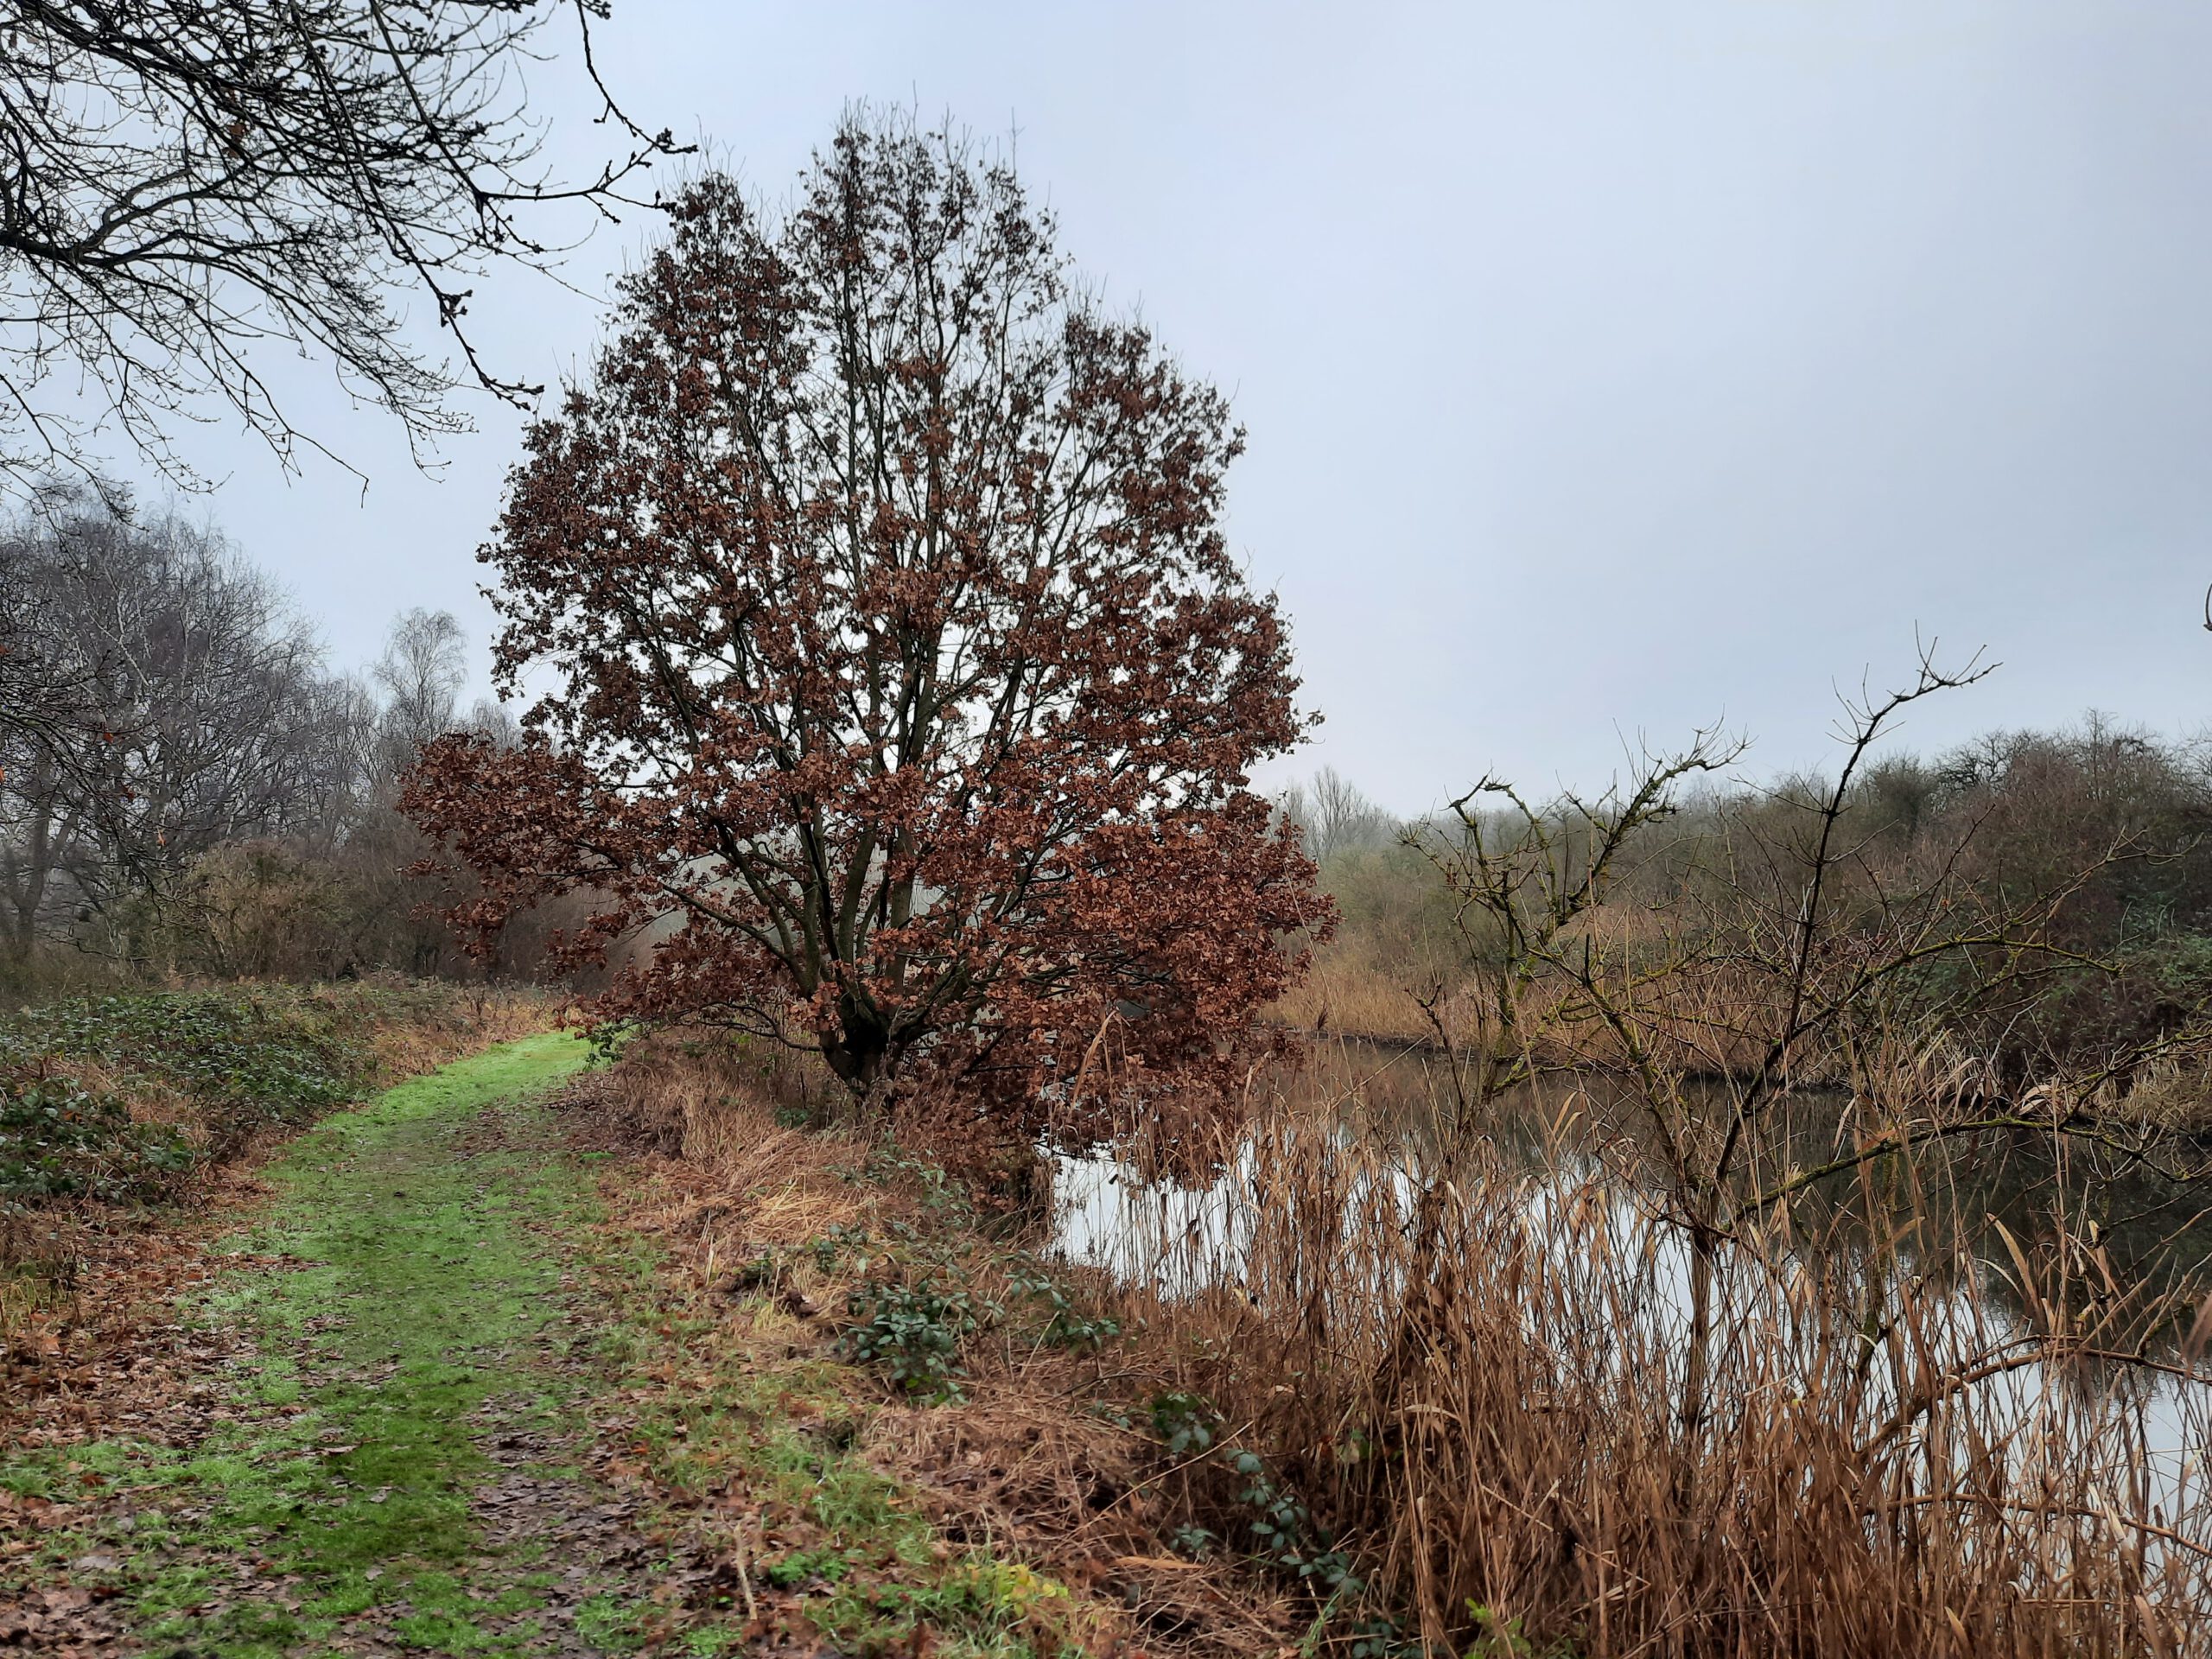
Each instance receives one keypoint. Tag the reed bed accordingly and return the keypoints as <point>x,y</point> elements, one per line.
<point>1500,1400</point>
<point>1545,1419</point>
<point>1705,1021</point>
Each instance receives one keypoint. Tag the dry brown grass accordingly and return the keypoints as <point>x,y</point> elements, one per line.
<point>1347,993</point>
<point>737,1180</point>
<point>1024,1463</point>
<point>473,1020</point>
<point>1029,1465</point>
<point>2171,1097</point>
<point>1485,1382</point>
<point>1703,1024</point>
<point>1483,1385</point>
<point>1371,979</point>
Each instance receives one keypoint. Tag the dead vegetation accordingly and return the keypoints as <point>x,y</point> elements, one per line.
<point>1594,1353</point>
<point>774,1229</point>
<point>2050,891</point>
<point>1472,1395</point>
<point>1493,1389</point>
<point>1627,1390</point>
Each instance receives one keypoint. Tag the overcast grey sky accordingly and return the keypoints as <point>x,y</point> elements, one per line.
<point>1608,368</point>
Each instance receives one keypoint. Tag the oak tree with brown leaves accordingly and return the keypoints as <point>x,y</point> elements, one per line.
<point>904,691</point>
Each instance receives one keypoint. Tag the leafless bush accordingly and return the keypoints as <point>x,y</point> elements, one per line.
<point>1497,1389</point>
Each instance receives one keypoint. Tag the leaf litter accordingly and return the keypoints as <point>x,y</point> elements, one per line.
<point>415,1392</point>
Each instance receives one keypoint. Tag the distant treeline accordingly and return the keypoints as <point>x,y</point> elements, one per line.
<point>2092,839</point>
<point>187,785</point>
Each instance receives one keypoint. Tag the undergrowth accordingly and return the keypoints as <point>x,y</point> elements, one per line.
<point>886,1388</point>
<point>127,1100</point>
<point>762,1439</point>
<point>223,1064</point>
<point>1385,1414</point>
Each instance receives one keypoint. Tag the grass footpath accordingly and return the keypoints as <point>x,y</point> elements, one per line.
<point>433,1399</point>
<point>395,1466</point>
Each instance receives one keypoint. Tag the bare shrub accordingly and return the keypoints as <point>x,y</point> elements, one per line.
<point>1492,1388</point>
<point>1684,1378</point>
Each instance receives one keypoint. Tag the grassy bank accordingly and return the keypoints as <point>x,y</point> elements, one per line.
<point>397,1310</point>
<point>455,1383</point>
<point>870,1388</point>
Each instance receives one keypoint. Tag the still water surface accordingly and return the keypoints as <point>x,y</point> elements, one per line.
<point>1941,1220</point>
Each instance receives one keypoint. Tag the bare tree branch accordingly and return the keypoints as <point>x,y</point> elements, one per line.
<point>184,185</point>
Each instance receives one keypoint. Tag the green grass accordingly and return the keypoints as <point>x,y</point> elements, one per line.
<point>873,1568</point>
<point>415,1293</point>
<point>429,1256</point>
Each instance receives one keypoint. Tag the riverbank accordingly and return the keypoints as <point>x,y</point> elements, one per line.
<point>1373,1394</point>
<point>529,1356</point>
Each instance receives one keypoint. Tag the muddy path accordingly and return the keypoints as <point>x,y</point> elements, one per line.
<point>396,1454</point>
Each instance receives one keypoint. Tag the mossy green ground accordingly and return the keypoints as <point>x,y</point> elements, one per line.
<point>417,1289</point>
<point>436,1333</point>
